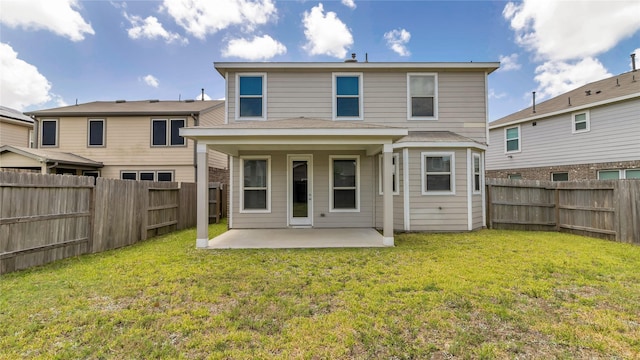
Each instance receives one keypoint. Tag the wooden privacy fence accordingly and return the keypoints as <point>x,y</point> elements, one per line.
<point>217,202</point>
<point>44,218</point>
<point>608,209</point>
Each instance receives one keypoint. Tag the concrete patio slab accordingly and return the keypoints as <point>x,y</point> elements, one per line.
<point>296,238</point>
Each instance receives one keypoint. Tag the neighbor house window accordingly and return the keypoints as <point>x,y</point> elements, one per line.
<point>165,176</point>
<point>49,132</point>
<point>91,173</point>
<point>344,183</point>
<point>347,96</point>
<point>514,176</point>
<point>512,139</point>
<point>96,132</point>
<point>476,173</point>
<point>255,192</point>
<point>560,176</point>
<point>422,96</point>
<point>580,122</point>
<point>129,175</point>
<point>608,174</point>
<point>166,132</point>
<point>251,101</point>
<point>147,175</point>
<point>438,173</point>
<point>632,174</point>
<point>395,182</point>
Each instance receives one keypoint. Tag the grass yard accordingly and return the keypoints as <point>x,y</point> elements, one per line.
<point>487,294</point>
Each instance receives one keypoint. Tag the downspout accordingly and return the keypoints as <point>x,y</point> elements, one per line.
<point>196,122</point>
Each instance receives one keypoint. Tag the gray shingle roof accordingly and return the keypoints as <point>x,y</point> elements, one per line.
<point>144,107</point>
<point>602,91</point>
<point>435,136</point>
<point>14,115</point>
<point>48,155</point>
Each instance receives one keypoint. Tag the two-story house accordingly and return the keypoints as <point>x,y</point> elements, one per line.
<point>592,132</point>
<point>131,140</point>
<point>351,145</point>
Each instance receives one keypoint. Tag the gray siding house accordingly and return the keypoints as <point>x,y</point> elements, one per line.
<point>592,132</point>
<point>393,146</point>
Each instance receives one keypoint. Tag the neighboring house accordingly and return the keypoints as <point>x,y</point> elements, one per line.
<point>318,144</point>
<point>592,132</point>
<point>136,140</point>
<point>16,129</point>
<point>46,161</point>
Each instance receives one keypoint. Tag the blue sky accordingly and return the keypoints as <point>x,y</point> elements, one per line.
<point>56,51</point>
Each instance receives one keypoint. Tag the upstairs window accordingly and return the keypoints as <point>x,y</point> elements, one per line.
<point>580,122</point>
<point>422,96</point>
<point>251,99</point>
<point>438,173</point>
<point>96,132</point>
<point>347,102</point>
<point>167,132</point>
<point>49,133</point>
<point>512,139</point>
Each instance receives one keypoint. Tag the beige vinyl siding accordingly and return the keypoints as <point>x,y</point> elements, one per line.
<point>277,218</point>
<point>461,99</point>
<point>11,160</point>
<point>14,135</point>
<point>128,144</point>
<point>613,137</point>
<point>476,204</point>
<point>398,200</point>
<point>217,159</point>
<point>438,212</point>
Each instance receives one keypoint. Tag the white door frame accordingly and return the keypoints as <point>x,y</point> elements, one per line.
<point>308,221</point>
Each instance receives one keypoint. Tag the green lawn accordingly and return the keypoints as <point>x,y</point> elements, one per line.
<point>486,294</point>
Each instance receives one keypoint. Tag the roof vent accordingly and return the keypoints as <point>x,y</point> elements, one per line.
<point>189,100</point>
<point>587,92</point>
<point>154,101</point>
<point>353,59</point>
<point>120,101</point>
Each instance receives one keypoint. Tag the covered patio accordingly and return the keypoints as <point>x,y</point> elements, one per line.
<point>296,239</point>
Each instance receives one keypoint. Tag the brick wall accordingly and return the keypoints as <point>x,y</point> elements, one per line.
<point>576,172</point>
<point>219,175</point>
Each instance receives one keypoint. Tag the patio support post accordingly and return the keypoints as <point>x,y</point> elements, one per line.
<point>202,185</point>
<point>387,198</point>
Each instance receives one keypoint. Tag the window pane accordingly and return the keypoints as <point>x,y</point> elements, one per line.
<point>165,176</point>
<point>422,86</point>
<point>344,173</point>
<point>129,176</point>
<point>255,173</point>
<point>633,174</point>
<point>438,182</point>
<point>348,107</point>
<point>609,175</point>
<point>476,164</point>
<point>581,117</point>
<point>146,176</point>
<point>512,145</point>
<point>514,176</point>
<point>347,85</point>
<point>49,133</point>
<point>439,164</point>
<point>476,184</point>
<point>582,125</point>
<point>250,107</point>
<point>512,133</point>
<point>421,106</point>
<point>176,139</point>
<point>560,177</point>
<point>255,199</point>
<point>344,199</point>
<point>159,132</point>
<point>95,133</point>
<point>251,85</point>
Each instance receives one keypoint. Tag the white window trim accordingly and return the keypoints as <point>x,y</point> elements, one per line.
<point>184,140</point>
<point>167,124</point>
<point>473,175</point>
<point>587,120</point>
<point>338,157</point>
<point>104,133</point>
<point>435,97</point>
<point>519,140</point>
<point>423,167</point>
<point>241,183</point>
<point>620,173</point>
<point>334,96</point>
<point>396,169</point>
<point>154,172</point>
<point>264,96</point>
<point>57,133</point>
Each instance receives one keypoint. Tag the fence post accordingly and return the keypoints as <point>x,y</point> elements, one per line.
<point>557,207</point>
<point>92,216</point>
<point>489,213</point>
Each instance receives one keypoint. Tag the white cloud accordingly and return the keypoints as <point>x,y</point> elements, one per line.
<point>397,41</point>
<point>557,77</point>
<point>258,48</point>
<point>199,97</point>
<point>326,34</point>
<point>637,52</point>
<point>564,30</point>
<point>58,16</point>
<point>201,18</point>
<point>21,84</point>
<point>493,95</point>
<point>509,62</point>
<point>151,28</point>
<point>151,81</point>
<point>349,3</point>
